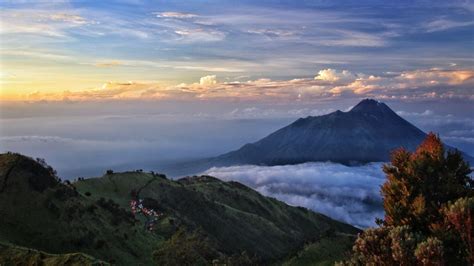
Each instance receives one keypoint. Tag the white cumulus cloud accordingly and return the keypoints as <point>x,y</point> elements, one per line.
<point>208,80</point>
<point>333,75</point>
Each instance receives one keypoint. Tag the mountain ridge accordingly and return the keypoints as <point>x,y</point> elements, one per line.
<point>369,132</point>
<point>93,216</point>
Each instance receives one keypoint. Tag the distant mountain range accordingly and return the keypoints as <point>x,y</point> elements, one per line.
<point>366,133</point>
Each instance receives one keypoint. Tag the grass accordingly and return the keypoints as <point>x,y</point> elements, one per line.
<point>92,216</point>
<point>327,251</point>
<point>15,255</point>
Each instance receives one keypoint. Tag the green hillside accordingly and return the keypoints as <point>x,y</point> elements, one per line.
<point>14,255</point>
<point>204,219</point>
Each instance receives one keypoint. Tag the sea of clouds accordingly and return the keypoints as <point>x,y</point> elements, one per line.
<point>349,194</point>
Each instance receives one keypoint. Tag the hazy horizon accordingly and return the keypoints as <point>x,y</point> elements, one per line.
<point>80,141</point>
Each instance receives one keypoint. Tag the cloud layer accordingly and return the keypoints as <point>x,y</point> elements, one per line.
<point>328,84</point>
<point>349,194</point>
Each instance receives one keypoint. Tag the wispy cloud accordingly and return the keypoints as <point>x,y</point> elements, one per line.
<point>177,15</point>
<point>354,39</point>
<point>108,64</point>
<point>446,24</point>
<point>37,54</point>
<point>41,22</point>
<point>200,35</point>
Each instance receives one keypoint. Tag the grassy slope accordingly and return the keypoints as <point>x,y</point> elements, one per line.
<point>233,216</point>
<point>15,255</point>
<point>57,220</point>
<point>327,251</point>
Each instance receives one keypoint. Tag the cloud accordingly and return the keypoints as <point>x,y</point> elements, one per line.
<point>177,15</point>
<point>436,76</point>
<point>208,80</point>
<point>65,17</point>
<point>332,75</point>
<point>329,84</point>
<point>200,35</point>
<point>38,54</point>
<point>259,112</point>
<point>272,32</point>
<point>349,194</point>
<point>425,113</point>
<point>432,83</point>
<point>41,22</point>
<point>354,39</point>
<point>445,24</point>
<point>109,64</point>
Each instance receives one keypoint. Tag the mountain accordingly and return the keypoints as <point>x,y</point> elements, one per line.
<point>204,220</point>
<point>366,133</point>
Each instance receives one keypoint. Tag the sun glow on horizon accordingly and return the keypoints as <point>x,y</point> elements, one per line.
<point>68,51</point>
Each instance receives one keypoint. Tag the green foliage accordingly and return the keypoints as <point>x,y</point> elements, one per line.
<point>373,247</point>
<point>93,216</point>
<point>459,220</point>
<point>326,251</point>
<point>422,225</point>
<point>15,255</point>
<point>185,248</point>
<point>430,252</point>
<point>403,241</point>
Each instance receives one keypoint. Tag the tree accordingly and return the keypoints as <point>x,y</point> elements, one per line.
<point>420,183</point>
<point>430,252</point>
<point>428,199</point>
<point>459,217</point>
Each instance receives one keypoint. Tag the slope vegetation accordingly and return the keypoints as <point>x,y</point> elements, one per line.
<point>93,216</point>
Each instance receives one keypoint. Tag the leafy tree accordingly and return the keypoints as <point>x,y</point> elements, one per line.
<point>403,240</point>
<point>419,183</point>
<point>430,252</point>
<point>373,247</point>
<point>459,219</point>
<point>429,207</point>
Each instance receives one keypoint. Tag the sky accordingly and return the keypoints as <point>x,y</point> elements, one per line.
<point>278,51</point>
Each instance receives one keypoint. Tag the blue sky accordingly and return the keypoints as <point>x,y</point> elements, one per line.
<point>49,47</point>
